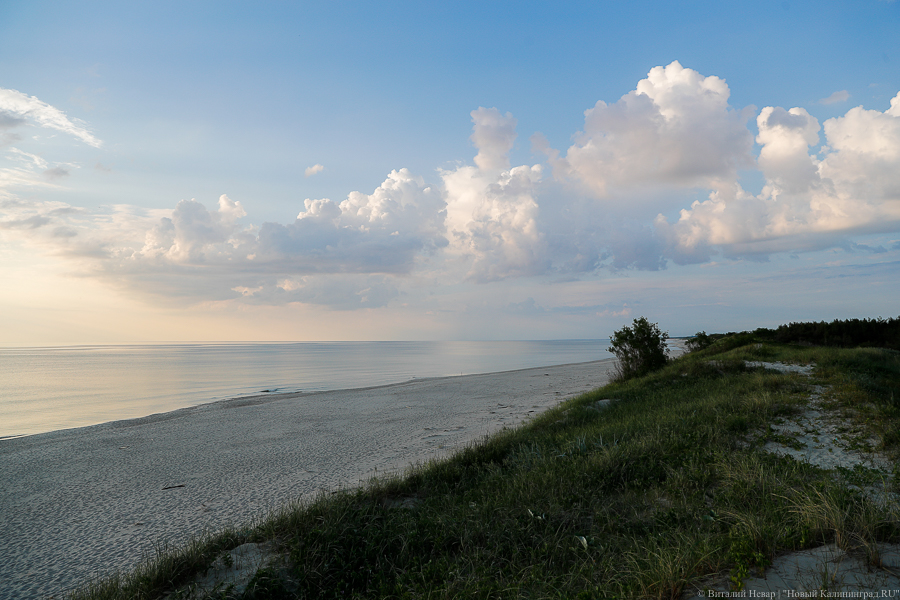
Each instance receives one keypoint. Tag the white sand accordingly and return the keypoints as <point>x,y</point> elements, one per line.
<point>80,503</point>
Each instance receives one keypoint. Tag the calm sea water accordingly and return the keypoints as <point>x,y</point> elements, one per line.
<point>46,389</point>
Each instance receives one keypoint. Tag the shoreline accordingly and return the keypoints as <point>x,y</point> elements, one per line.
<point>264,397</point>
<point>88,501</point>
<point>84,386</point>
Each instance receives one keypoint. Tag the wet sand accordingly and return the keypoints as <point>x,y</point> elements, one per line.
<point>80,503</point>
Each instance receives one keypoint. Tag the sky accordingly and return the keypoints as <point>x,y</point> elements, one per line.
<point>331,170</point>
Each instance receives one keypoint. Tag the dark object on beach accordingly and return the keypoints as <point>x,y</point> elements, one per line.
<point>640,348</point>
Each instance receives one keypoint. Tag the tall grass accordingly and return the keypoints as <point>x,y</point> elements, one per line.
<point>636,497</point>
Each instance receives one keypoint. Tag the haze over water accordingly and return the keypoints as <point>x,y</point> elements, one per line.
<point>46,389</point>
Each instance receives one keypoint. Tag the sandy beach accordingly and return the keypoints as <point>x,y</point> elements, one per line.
<point>81,503</point>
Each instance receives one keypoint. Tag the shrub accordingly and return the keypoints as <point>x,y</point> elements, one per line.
<point>640,348</point>
<point>699,341</point>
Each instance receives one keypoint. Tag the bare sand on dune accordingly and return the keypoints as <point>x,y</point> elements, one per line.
<point>80,503</point>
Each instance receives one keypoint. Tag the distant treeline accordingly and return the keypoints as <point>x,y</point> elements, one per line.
<point>882,333</point>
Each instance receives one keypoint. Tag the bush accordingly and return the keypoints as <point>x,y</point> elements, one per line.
<point>640,348</point>
<point>699,341</point>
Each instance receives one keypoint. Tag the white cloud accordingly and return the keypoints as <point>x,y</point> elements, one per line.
<point>809,202</point>
<point>862,167</point>
<point>33,159</point>
<point>493,221</point>
<point>193,234</point>
<point>386,231</point>
<point>17,108</point>
<point>494,135</point>
<point>29,171</point>
<point>785,137</point>
<point>194,253</point>
<point>313,170</point>
<point>492,213</point>
<point>841,96</point>
<point>675,129</point>
<point>674,137</point>
<point>12,178</point>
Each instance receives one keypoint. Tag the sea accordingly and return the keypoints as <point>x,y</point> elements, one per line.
<point>53,388</point>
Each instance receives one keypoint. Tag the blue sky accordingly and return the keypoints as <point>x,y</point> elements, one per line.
<point>401,170</point>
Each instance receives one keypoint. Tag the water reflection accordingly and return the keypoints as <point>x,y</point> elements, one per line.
<point>45,389</point>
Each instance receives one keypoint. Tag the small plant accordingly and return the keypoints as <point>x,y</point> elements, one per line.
<point>640,348</point>
<point>745,555</point>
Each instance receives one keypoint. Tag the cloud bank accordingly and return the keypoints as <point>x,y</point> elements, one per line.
<point>810,200</point>
<point>652,180</point>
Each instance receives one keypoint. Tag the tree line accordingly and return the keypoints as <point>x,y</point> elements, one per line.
<point>850,333</point>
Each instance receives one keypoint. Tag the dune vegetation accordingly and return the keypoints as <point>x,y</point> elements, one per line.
<point>642,488</point>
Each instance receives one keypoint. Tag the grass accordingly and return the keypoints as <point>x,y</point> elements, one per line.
<point>637,498</point>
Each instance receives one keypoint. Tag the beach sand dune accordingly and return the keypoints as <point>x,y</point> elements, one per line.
<point>81,503</point>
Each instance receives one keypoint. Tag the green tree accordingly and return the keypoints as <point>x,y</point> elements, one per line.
<point>640,348</point>
<point>699,341</point>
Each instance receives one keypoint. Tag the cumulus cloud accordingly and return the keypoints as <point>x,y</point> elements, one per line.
<point>494,135</point>
<point>193,234</point>
<point>810,200</point>
<point>197,253</point>
<point>385,231</point>
<point>17,108</point>
<point>492,213</point>
<point>493,221</point>
<point>313,170</point>
<point>675,129</point>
